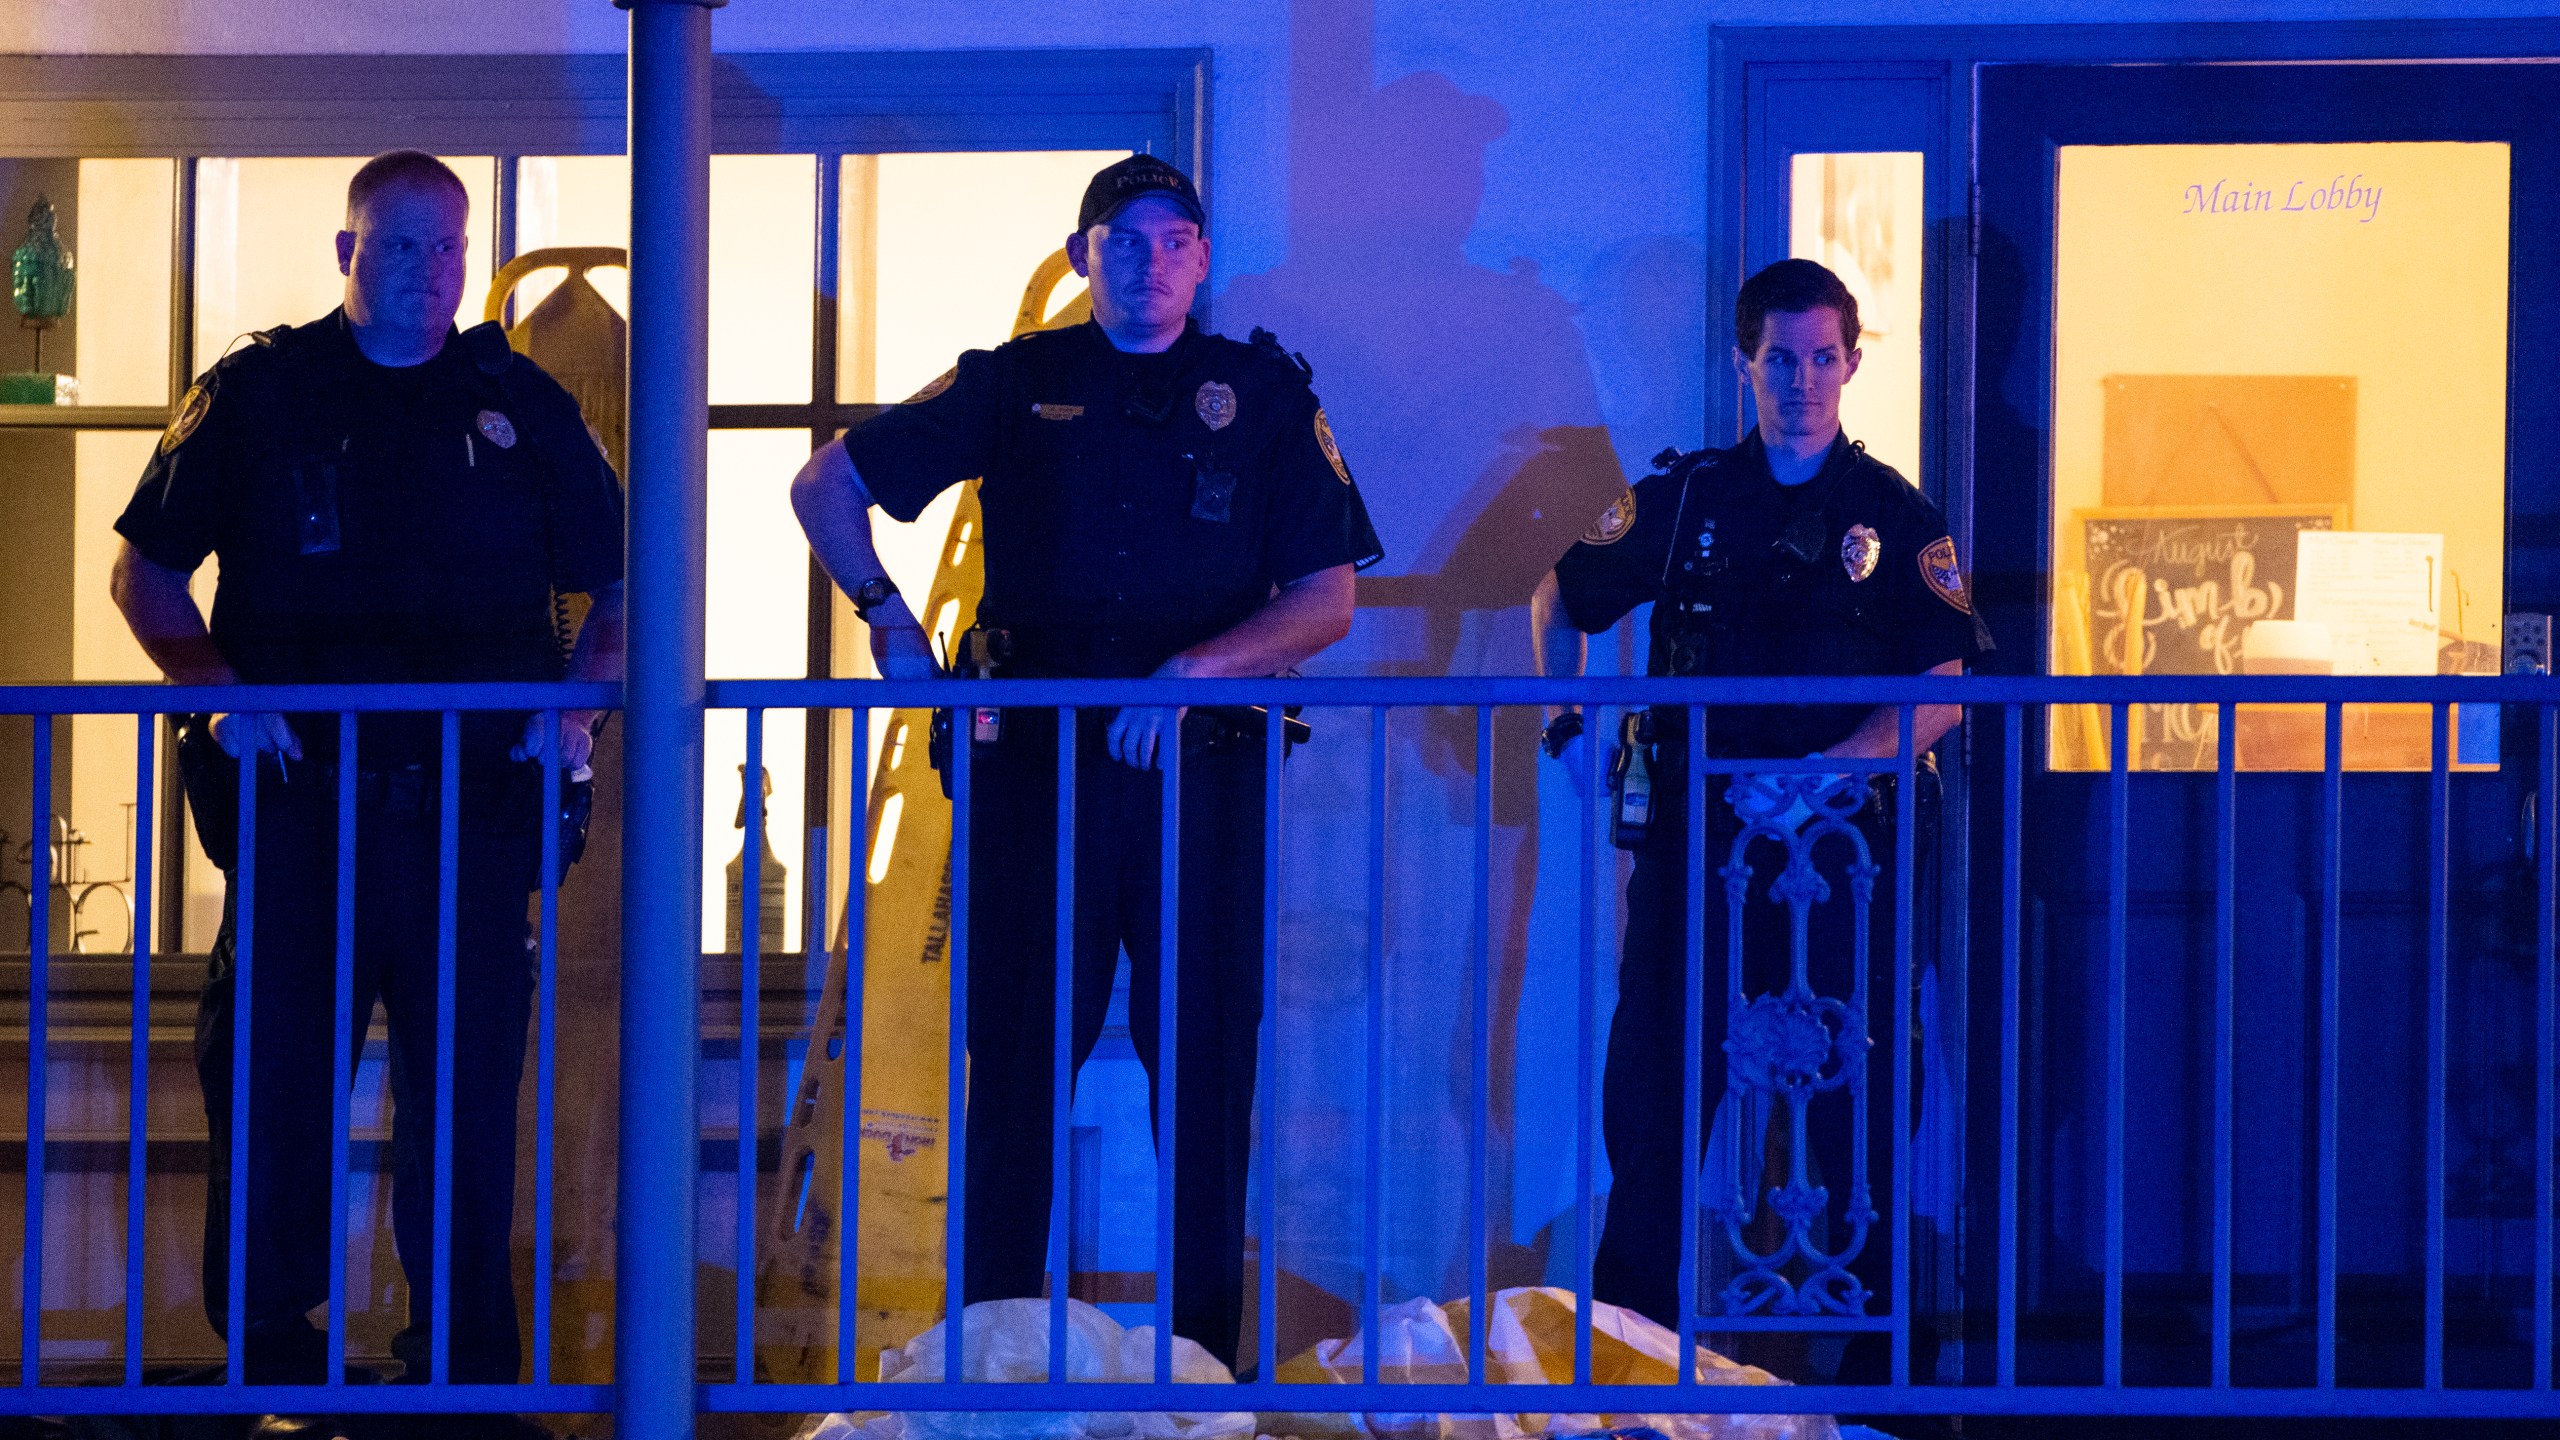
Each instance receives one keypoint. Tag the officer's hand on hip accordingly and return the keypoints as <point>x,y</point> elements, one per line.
<point>577,739</point>
<point>1140,736</point>
<point>899,647</point>
<point>259,730</point>
<point>1564,742</point>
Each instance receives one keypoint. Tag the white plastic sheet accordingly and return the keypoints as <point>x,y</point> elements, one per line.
<point>1008,1341</point>
<point>1530,1341</point>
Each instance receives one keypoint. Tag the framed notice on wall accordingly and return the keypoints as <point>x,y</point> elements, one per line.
<point>2171,590</point>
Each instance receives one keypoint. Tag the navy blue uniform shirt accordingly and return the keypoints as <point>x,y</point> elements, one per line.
<point>377,523</point>
<point>1135,505</point>
<point>1850,573</point>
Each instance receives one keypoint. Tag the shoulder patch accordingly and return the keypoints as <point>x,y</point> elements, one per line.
<point>1944,576</point>
<point>933,387</point>
<point>1614,522</point>
<point>1332,452</point>
<point>191,413</point>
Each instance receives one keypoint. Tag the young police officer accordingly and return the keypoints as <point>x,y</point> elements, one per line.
<point>1792,553</point>
<point>1158,501</point>
<point>391,501</point>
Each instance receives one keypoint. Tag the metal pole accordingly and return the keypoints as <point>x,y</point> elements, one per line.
<point>670,112</point>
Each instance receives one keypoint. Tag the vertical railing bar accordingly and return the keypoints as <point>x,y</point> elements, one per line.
<point>2226,917</point>
<point>1374,1080</point>
<point>448,895</point>
<point>243,961</point>
<point>956,1094</point>
<point>2012,922</point>
<point>546,1041</point>
<point>2119,847</point>
<point>146,729</point>
<point>2546,854</point>
<point>342,1045</point>
<point>1480,1053</point>
<point>1693,1028</point>
<point>39,967</point>
<point>849,1143</point>
<point>1168,1037</point>
<point>1586,1025</point>
<point>1906,864</point>
<point>751,941</point>
<point>1062,1047</point>
<point>2332,970</point>
<point>2439,967</point>
<point>1275,751</point>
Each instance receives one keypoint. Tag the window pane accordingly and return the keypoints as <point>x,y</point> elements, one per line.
<point>764,247</point>
<point>936,251</point>
<point>573,200</point>
<point>1861,216</point>
<point>2257,464</point>
<point>105,465</point>
<point>756,623</point>
<point>120,311</point>
<point>266,243</point>
<point>763,257</point>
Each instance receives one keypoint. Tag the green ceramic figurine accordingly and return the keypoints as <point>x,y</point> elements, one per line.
<point>40,286</point>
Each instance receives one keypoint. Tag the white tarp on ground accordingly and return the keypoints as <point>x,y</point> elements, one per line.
<point>1530,1341</point>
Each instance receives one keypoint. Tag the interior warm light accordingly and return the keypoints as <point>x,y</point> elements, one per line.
<point>884,842</point>
<point>1861,215</point>
<point>2249,349</point>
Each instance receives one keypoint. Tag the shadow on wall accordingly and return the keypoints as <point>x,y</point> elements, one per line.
<point>1465,403</point>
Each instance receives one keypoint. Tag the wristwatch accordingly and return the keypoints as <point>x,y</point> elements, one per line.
<point>871,594</point>
<point>1560,732</point>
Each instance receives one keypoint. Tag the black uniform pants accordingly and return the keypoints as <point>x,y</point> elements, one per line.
<point>1638,1262</point>
<point>1012,993</point>
<point>293,1010</point>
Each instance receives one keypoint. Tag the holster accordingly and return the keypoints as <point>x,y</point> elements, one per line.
<point>212,782</point>
<point>211,779</point>
<point>1206,729</point>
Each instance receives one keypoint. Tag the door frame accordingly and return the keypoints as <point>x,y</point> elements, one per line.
<point>1791,89</point>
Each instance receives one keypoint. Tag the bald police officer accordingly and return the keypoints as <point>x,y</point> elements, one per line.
<point>1792,553</point>
<point>391,501</point>
<point>1158,501</point>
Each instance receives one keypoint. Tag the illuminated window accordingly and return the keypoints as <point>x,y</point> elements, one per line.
<point>2258,465</point>
<point>1860,215</point>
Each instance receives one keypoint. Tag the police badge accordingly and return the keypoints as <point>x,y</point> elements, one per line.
<point>1216,405</point>
<point>1859,550</point>
<point>498,429</point>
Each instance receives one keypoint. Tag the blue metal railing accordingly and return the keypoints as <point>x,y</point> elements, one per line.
<point>2005,712</point>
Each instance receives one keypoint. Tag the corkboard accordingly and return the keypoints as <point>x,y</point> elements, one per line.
<point>2190,440</point>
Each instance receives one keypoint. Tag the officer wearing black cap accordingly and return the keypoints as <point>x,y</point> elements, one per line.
<point>1158,501</point>
<point>390,501</point>
<point>1792,553</point>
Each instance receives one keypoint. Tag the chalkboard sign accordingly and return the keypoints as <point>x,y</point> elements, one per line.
<point>2171,591</point>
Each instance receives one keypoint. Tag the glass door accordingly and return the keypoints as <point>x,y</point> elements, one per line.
<point>2244,405</point>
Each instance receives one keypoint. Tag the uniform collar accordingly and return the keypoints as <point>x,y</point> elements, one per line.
<point>1835,462</point>
<point>1182,344</point>
<point>437,366</point>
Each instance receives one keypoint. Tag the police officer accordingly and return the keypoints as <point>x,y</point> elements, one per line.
<point>390,501</point>
<point>1792,553</point>
<point>1158,501</point>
